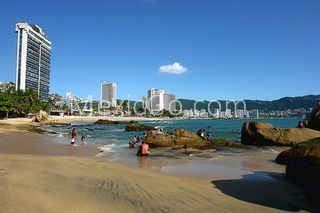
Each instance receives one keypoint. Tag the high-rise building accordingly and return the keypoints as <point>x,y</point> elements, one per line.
<point>169,102</point>
<point>158,100</point>
<point>33,59</point>
<point>109,94</point>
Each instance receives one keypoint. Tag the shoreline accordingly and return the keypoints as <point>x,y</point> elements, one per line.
<point>32,165</point>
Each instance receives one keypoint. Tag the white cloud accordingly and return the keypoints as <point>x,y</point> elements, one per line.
<point>174,68</point>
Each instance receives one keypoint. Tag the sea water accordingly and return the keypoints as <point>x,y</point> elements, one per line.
<point>111,142</point>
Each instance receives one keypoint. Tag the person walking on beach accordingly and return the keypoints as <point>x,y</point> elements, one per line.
<point>74,135</point>
<point>83,136</point>
<point>143,149</point>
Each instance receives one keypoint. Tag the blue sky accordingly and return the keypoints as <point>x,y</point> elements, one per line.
<point>228,49</point>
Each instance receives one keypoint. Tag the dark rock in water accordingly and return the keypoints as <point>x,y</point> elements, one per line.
<point>102,121</point>
<point>264,134</point>
<point>313,120</point>
<point>139,127</point>
<point>303,166</point>
<point>179,137</point>
<point>90,129</point>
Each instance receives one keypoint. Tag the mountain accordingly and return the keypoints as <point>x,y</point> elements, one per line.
<point>281,104</point>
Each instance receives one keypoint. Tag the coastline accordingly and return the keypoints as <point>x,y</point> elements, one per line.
<point>38,175</point>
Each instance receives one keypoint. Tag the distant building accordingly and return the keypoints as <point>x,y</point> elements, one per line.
<point>33,59</point>
<point>216,113</point>
<point>6,85</point>
<point>109,93</point>
<point>255,113</point>
<point>169,102</point>
<point>188,113</point>
<point>239,113</point>
<point>158,100</point>
<point>228,113</point>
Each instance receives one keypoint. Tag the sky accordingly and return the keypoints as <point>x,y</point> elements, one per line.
<point>196,49</point>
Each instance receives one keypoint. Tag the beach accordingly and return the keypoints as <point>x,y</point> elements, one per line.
<point>37,175</point>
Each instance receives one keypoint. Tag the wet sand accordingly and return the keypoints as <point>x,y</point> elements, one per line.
<point>38,175</point>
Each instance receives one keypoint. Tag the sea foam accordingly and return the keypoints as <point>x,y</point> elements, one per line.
<point>106,148</point>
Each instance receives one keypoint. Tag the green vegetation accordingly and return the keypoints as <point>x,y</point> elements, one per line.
<point>167,113</point>
<point>281,104</point>
<point>18,103</point>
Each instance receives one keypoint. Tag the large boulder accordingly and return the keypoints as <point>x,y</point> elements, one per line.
<point>303,166</point>
<point>41,117</point>
<point>139,127</point>
<point>264,134</point>
<point>313,120</point>
<point>179,137</point>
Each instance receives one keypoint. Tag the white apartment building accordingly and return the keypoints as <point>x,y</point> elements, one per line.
<point>108,94</point>
<point>33,59</point>
<point>158,100</point>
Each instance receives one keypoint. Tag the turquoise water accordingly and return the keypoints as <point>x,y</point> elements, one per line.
<point>116,138</point>
<point>112,141</point>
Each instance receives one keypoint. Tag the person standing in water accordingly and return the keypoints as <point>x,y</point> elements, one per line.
<point>74,135</point>
<point>83,137</point>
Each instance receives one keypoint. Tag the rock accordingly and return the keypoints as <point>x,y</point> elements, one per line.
<point>303,166</point>
<point>41,117</point>
<point>179,137</point>
<point>313,120</point>
<point>102,121</point>
<point>138,127</point>
<point>264,134</point>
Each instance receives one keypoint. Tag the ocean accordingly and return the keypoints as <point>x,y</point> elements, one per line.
<point>111,142</point>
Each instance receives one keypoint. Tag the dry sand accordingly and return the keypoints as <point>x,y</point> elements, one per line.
<point>30,183</point>
<point>21,121</point>
<point>38,176</point>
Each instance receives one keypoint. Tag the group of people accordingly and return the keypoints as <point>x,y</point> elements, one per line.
<point>144,149</point>
<point>74,136</point>
<point>205,135</point>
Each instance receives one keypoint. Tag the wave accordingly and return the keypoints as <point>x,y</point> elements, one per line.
<point>271,151</point>
<point>106,148</point>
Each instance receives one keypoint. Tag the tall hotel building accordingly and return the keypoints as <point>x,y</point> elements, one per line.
<point>109,93</point>
<point>158,100</point>
<point>33,59</point>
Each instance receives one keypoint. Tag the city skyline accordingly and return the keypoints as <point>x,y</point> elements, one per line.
<point>211,50</point>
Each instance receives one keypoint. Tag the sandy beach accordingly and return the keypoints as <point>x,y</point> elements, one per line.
<point>39,176</point>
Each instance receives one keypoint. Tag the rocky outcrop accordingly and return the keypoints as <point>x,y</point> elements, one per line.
<point>264,134</point>
<point>313,120</point>
<point>139,127</point>
<point>41,117</point>
<point>303,166</point>
<point>102,121</point>
<point>308,151</point>
<point>179,137</point>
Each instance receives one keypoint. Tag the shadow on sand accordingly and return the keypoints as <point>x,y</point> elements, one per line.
<point>266,189</point>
